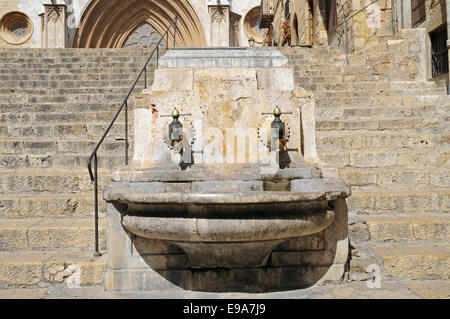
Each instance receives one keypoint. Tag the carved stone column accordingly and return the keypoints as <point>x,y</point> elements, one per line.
<point>54,28</point>
<point>235,30</point>
<point>219,12</point>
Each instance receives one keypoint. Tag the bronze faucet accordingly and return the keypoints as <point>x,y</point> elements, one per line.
<point>277,130</point>
<point>175,128</point>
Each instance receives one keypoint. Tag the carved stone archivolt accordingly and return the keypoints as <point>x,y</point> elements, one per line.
<point>16,28</point>
<point>107,24</point>
<point>251,25</point>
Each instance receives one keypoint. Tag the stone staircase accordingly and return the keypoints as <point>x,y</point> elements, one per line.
<point>387,133</point>
<point>380,123</point>
<point>54,107</point>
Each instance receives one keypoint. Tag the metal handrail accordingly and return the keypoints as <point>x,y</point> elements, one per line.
<point>345,23</point>
<point>93,157</point>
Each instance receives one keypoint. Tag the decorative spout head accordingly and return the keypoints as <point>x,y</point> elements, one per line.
<point>175,128</point>
<point>278,129</point>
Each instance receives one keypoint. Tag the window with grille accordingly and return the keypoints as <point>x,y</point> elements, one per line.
<point>439,51</point>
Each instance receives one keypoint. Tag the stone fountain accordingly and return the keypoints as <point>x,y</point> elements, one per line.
<point>225,191</point>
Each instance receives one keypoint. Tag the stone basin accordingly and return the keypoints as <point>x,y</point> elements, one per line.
<point>215,224</point>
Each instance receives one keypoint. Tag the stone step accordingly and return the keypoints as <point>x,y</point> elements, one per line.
<point>84,64</point>
<point>389,158</point>
<point>382,101</point>
<point>49,233</point>
<point>67,84</point>
<point>409,227</point>
<point>65,117</point>
<point>415,259</point>
<point>66,161</point>
<point>36,108</point>
<point>364,94</point>
<point>431,289</point>
<point>394,200</point>
<point>396,177</point>
<point>363,139</point>
<point>85,75</point>
<point>331,86</point>
<point>68,131</point>
<point>51,146</point>
<point>12,58</point>
<point>30,268</point>
<point>79,205</point>
<point>327,116</point>
<point>49,181</point>
<point>122,69</point>
<point>24,293</point>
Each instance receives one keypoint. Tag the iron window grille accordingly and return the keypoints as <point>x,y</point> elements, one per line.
<point>439,51</point>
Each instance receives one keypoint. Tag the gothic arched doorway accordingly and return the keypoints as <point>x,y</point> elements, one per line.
<point>110,24</point>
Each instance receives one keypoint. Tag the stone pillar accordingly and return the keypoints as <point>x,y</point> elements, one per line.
<point>404,14</point>
<point>54,28</point>
<point>219,12</point>
<point>235,30</point>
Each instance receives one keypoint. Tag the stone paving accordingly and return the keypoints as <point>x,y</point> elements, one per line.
<point>390,289</point>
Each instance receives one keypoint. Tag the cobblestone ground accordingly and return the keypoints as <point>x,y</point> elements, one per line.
<point>390,289</point>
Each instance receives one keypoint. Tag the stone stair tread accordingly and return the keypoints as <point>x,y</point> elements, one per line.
<point>37,196</point>
<point>408,226</point>
<point>24,293</point>
<point>402,227</point>
<point>74,171</point>
<point>40,205</point>
<point>406,218</point>
<point>431,289</point>
<point>400,191</point>
<point>30,268</point>
<point>43,222</point>
<point>405,249</point>
<point>394,169</point>
<point>49,233</point>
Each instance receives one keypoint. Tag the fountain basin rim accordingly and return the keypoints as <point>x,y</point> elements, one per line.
<point>239,198</point>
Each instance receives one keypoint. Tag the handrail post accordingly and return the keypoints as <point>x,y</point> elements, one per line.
<point>346,43</point>
<point>393,16</point>
<point>126,133</point>
<point>96,253</point>
<point>145,77</point>
<point>175,31</point>
<point>157,56</point>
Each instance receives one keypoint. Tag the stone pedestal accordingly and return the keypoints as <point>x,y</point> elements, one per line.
<point>239,214</point>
